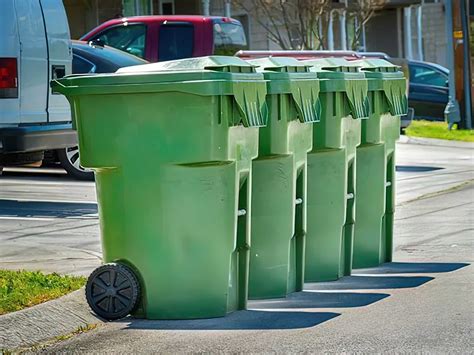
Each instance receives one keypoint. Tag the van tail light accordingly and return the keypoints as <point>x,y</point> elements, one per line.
<point>8,78</point>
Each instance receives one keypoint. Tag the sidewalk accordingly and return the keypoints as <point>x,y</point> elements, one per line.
<point>421,303</point>
<point>429,227</point>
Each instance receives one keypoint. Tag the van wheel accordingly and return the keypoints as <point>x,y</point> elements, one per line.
<point>113,291</point>
<point>69,159</point>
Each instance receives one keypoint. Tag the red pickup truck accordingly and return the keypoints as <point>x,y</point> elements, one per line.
<point>159,38</point>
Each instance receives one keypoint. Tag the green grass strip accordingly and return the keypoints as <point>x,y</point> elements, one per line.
<point>22,289</point>
<point>438,130</point>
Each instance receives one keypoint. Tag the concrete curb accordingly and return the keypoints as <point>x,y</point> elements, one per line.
<point>45,321</point>
<point>435,142</point>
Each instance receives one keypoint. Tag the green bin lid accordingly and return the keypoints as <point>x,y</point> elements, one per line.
<point>290,76</point>
<point>326,66</point>
<point>377,65</point>
<point>214,63</point>
<point>388,78</point>
<point>204,76</point>
<point>344,76</point>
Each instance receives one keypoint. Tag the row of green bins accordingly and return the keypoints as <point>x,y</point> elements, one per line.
<point>171,144</point>
<point>279,178</point>
<point>332,169</point>
<point>373,238</point>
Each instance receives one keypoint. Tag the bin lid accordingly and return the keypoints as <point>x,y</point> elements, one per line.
<point>215,63</point>
<point>388,78</point>
<point>290,76</point>
<point>326,66</point>
<point>204,76</point>
<point>280,64</point>
<point>377,65</point>
<point>344,76</point>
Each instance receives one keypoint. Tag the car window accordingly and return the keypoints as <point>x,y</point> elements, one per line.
<point>427,76</point>
<point>81,65</point>
<point>176,41</point>
<point>229,38</point>
<point>129,38</point>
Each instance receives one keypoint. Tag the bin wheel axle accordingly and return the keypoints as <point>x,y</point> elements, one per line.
<point>112,291</point>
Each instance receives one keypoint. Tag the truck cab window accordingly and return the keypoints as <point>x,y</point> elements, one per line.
<point>229,38</point>
<point>176,41</point>
<point>130,38</point>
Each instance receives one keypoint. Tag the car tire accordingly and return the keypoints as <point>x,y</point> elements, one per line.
<point>69,159</point>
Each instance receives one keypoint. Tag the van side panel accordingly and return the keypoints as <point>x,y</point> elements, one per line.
<point>33,66</point>
<point>60,56</point>
<point>9,48</point>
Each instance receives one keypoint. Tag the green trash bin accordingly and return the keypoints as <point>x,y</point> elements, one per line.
<point>279,178</point>
<point>373,237</point>
<point>171,145</point>
<point>332,169</point>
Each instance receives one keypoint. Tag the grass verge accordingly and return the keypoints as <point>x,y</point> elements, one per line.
<point>22,289</point>
<point>438,130</point>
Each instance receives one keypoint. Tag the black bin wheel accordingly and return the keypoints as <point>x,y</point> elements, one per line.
<point>112,291</point>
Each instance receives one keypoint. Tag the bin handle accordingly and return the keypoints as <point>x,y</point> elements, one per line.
<point>305,95</point>
<point>250,100</point>
<point>395,92</point>
<point>356,93</point>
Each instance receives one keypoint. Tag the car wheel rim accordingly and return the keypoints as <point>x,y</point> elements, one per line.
<point>72,155</point>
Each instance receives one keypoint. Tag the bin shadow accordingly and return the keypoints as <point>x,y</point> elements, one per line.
<point>46,209</point>
<point>311,299</point>
<point>416,168</point>
<point>411,268</point>
<point>240,320</point>
<point>359,282</point>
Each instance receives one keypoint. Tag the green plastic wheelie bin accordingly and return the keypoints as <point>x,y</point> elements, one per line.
<point>279,178</point>
<point>171,145</point>
<point>373,236</point>
<point>332,169</point>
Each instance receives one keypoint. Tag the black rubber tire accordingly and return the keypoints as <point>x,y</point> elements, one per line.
<point>113,291</point>
<point>71,169</point>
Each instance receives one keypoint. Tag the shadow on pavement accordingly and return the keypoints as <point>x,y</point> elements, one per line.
<point>411,268</point>
<point>46,209</point>
<point>416,168</point>
<point>242,320</point>
<point>356,282</point>
<point>310,299</point>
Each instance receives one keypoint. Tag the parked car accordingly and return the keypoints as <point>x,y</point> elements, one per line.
<point>35,47</point>
<point>159,38</point>
<point>89,58</point>
<point>429,91</point>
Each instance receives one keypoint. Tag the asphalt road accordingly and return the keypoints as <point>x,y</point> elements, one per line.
<point>424,302</point>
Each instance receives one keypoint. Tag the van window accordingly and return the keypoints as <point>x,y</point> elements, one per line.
<point>176,41</point>
<point>229,38</point>
<point>130,38</point>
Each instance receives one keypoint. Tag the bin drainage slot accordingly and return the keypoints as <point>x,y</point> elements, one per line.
<point>241,213</point>
<point>298,201</point>
<point>388,184</point>
<point>350,196</point>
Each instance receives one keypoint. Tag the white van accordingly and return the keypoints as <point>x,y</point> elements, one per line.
<point>35,47</point>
